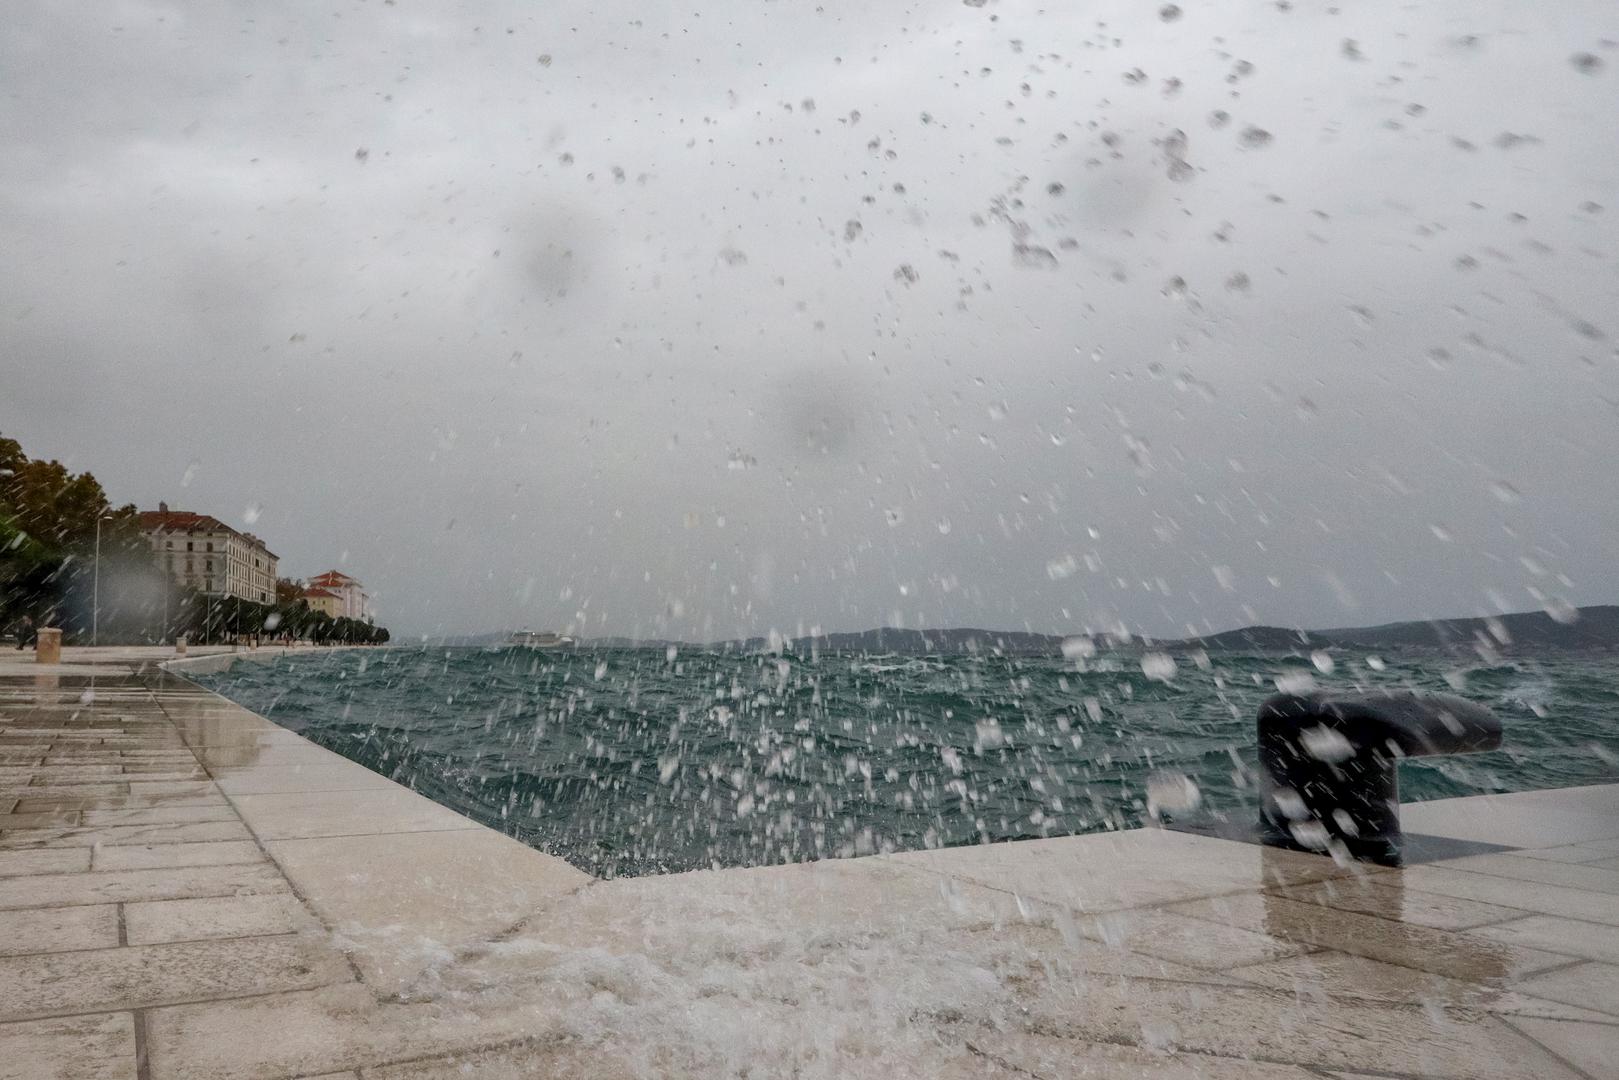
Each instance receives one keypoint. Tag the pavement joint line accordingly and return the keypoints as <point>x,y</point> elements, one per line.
<point>122,943</point>
<point>1446,896</point>
<point>1555,1055</point>
<point>153,899</point>
<point>1516,915</point>
<point>143,1064</point>
<point>1574,961</point>
<point>211,999</point>
<point>59,842</point>
<point>1607,1019</point>
<point>1532,883</point>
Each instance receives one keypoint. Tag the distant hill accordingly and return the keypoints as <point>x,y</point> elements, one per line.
<point>915,642</point>
<point>1579,629</point>
<point>1256,638</point>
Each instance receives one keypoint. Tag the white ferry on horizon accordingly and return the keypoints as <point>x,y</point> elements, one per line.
<point>538,639</point>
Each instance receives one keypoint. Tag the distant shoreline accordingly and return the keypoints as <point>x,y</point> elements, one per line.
<point>1573,630</point>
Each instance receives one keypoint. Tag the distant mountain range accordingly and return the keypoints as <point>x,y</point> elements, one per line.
<point>1581,629</point>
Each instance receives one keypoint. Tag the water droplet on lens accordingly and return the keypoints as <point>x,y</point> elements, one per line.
<point>1158,666</point>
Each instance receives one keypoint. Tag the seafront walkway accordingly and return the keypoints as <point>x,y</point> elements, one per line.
<point>189,891</point>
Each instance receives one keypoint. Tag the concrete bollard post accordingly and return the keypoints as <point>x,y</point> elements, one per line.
<point>180,645</point>
<point>48,646</point>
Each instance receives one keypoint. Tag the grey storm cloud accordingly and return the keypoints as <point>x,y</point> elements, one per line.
<point>750,316</point>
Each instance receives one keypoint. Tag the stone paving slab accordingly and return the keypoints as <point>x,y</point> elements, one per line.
<point>189,891</point>
<point>70,1048</point>
<point>141,976</point>
<point>58,929</point>
<point>154,922</point>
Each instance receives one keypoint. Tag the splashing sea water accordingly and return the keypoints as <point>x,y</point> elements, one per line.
<point>628,762</point>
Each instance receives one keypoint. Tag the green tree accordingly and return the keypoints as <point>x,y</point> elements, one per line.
<point>49,518</point>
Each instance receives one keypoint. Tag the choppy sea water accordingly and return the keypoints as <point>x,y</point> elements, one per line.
<point>631,762</point>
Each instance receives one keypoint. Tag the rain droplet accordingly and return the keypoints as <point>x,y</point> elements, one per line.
<point>1158,666</point>
<point>1586,63</point>
<point>1326,744</point>
<point>1172,791</point>
<point>1078,648</point>
<point>1255,138</point>
<point>1295,682</point>
<point>1033,257</point>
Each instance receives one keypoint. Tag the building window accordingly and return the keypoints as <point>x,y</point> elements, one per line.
<point>189,545</point>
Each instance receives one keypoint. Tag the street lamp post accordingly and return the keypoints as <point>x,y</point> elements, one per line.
<point>95,584</point>
<point>95,587</point>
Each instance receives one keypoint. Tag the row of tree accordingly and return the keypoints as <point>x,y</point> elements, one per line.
<point>69,558</point>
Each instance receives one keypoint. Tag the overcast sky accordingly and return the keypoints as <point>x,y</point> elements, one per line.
<point>791,315</point>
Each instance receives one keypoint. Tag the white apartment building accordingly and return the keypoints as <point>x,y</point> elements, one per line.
<point>206,554</point>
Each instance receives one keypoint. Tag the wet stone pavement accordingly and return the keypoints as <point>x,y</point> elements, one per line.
<point>189,891</point>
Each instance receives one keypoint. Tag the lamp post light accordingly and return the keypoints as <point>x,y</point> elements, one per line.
<point>95,585</point>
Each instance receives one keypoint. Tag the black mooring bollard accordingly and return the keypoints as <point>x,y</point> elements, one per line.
<point>1328,764</point>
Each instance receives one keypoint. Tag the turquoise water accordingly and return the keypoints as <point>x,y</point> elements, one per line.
<point>630,762</point>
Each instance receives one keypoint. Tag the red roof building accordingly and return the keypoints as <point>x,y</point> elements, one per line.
<point>356,601</point>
